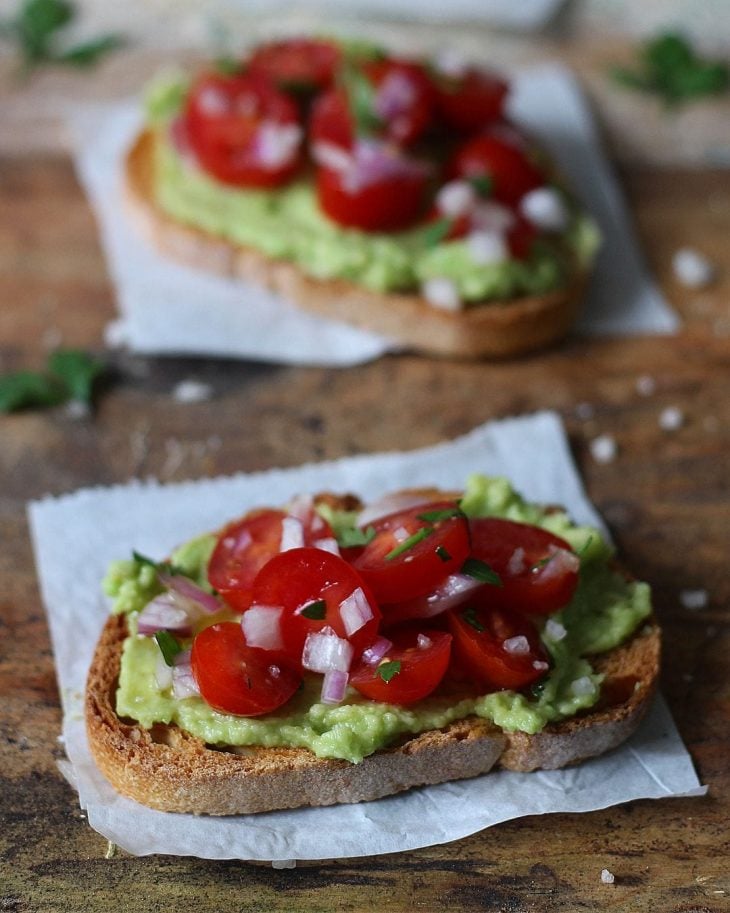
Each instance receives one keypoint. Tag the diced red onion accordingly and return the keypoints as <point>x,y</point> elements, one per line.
<point>334,686</point>
<point>452,592</point>
<point>376,651</point>
<point>451,63</point>
<point>292,534</point>
<point>277,145</point>
<point>492,217</point>
<point>327,545</point>
<point>261,625</point>
<point>395,95</point>
<point>517,646</point>
<point>517,564</point>
<point>456,198</point>
<point>163,672</point>
<point>328,155</point>
<point>183,680</point>
<point>374,161</point>
<point>325,651</point>
<point>355,611</point>
<point>487,247</point>
<point>189,590</point>
<point>560,561</point>
<point>390,504</point>
<point>166,612</point>
<point>301,507</point>
<point>540,665</point>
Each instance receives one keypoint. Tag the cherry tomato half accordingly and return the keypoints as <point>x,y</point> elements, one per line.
<point>403,98</point>
<point>236,678</point>
<point>296,64</point>
<point>413,551</point>
<point>511,171</point>
<point>539,571</point>
<point>410,671</point>
<point>469,102</point>
<point>243,130</point>
<point>496,647</point>
<point>311,585</point>
<point>246,545</point>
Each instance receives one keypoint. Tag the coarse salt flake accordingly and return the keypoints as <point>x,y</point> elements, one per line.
<point>607,877</point>
<point>544,208</point>
<point>192,391</point>
<point>671,419</point>
<point>456,198</point>
<point>582,686</point>
<point>645,385</point>
<point>487,247</point>
<point>554,630</point>
<point>517,646</point>
<point>603,448</point>
<point>694,599</point>
<point>442,293</point>
<point>692,268</point>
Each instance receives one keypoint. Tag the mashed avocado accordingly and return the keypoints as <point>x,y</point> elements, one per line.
<point>287,223</point>
<point>604,611</point>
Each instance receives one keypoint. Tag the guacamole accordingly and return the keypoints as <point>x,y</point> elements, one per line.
<point>287,223</point>
<point>605,610</point>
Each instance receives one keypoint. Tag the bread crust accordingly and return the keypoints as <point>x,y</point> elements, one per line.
<point>496,329</point>
<point>171,770</point>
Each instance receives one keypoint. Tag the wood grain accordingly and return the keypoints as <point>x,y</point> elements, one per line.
<point>666,497</point>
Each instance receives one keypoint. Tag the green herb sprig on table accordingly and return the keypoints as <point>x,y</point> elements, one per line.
<point>669,67</point>
<point>35,30</point>
<point>70,375</point>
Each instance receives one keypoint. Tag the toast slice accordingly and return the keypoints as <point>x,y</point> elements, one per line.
<point>495,329</point>
<point>171,770</point>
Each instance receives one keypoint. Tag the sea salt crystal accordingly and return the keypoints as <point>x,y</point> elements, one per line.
<point>607,877</point>
<point>645,385</point>
<point>487,247</point>
<point>671,419</point>
<point>692,268</point>
<point>584,411</point>
<point>442,293</point>
<point>192,391</point>
<point>603,448</point>
<point>456,198</point>
<point>694,599</point>
<point>582,685</point>
<point>517,646</point>
<point>554,630</point>
<point>544,208</point>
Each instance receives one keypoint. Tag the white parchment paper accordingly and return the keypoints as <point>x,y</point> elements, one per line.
<point>77,535</point>
<point>166,308</point>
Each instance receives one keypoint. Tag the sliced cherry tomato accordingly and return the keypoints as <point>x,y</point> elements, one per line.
<point>330,120</point>
<point>496,647</point>
<point>539,571</point>
<point>310,585</point>
<point>510,170</point>
<point>236,678</point>
<point>381,190</point>
<point>520,237</point>
<point>466,103</point>
<point>297,64</point>
<point>410,671</point>
<point>246,545</point>
<point>414,550</point>
<point>403,99</point>
<point>243,130</point>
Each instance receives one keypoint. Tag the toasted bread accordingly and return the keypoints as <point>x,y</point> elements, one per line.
<point>171,770</point>
<point>494,329</point>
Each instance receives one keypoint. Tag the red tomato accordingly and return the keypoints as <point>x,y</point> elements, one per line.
<point>403,98</point>
<point>330,120</point>
<point>539,571</point>
<point>236,678</point>
<point>520,237</point>
<point>422,656</point>
<point>511,171</point>
<point>243,130</point>
<point>296,64</point>
<point>381,191</point>
<point>246,545</point>
<point>496,647</point>
<point>439,548</point>
<point>302,578</point>
<point>468,102</point>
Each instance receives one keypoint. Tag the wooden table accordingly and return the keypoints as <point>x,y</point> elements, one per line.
<point>666,497</point>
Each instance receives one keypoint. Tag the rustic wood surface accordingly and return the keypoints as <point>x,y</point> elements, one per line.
<point>666,497</point>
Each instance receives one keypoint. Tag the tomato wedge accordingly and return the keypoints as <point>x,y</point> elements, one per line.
<point>243,130</point>
<point>316,589</point>
<point>511,172</point>
<point>246,545</point>
<point>467,103</point>
<point>236,678</point>
<point>410,671</point>
<point>414,550</point>
<point>496,647</point>
<point>539,571</point>
<point>302,65</point>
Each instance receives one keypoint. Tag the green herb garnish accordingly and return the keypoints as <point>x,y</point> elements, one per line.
<point>436,232</point>
<point>669,67</point>
<point>435,516</point>
<point>442,553</point>
<point>352,537</point>
<point>482,183</point>
<point>360,100</point>
<point>470,617</point>
<point>35,30</point>
<point>423,533</point>
<point>480,570</point>
<point>169,646</point>
<point>162,567</point>
<point>388,670</point>
<point>315,610</point>
<point>70,375</point>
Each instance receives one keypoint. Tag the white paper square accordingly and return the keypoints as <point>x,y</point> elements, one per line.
<point>77,535</point>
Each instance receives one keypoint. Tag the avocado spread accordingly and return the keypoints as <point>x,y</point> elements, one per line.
<point>604,611</point>
<point>286,223</point>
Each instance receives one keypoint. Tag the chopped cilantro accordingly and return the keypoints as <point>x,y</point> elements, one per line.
<point>169,646</point>
<point>470,617</point>
<point>388,670</point>
<point>480,570</point>
<point>436,232</point>
<point>70,375</point>
<point>315,610</point>
<point>360,99</point>
<point>435,516</point>
<point>352,537</point>
<point>442,553</point>
<point>482,183</point>
<point>423,533</point>
<point>162,567</point>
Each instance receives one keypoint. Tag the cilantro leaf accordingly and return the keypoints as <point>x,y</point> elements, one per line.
<point>389,670</point>
<point>409,543</point>
<point>436,232</point>
<point>28,390</point>
<point>354,537</point>
<point>360,100</point>
<point>442,553</point>
<point>77,371</point>
<point>470,617</point>
<point>435,516</point>
<point>482,183</point>
<point>169,646</point>
<point>480,570</point>
<point>315,610</point>
<point>89,52</point>
<point>162,567</point>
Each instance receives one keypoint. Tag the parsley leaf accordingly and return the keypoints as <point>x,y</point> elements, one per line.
<point>408,543</point>
<point>480,570</point>
<point>315,610</point>
<point>470,617</point>
<point>389,670</point>
<point>669,67</point>
<point>70,375</point>
<point>169,646</point>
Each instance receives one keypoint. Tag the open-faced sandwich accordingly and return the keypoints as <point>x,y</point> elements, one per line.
<point>386,192</point>
<point>330,652</point>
